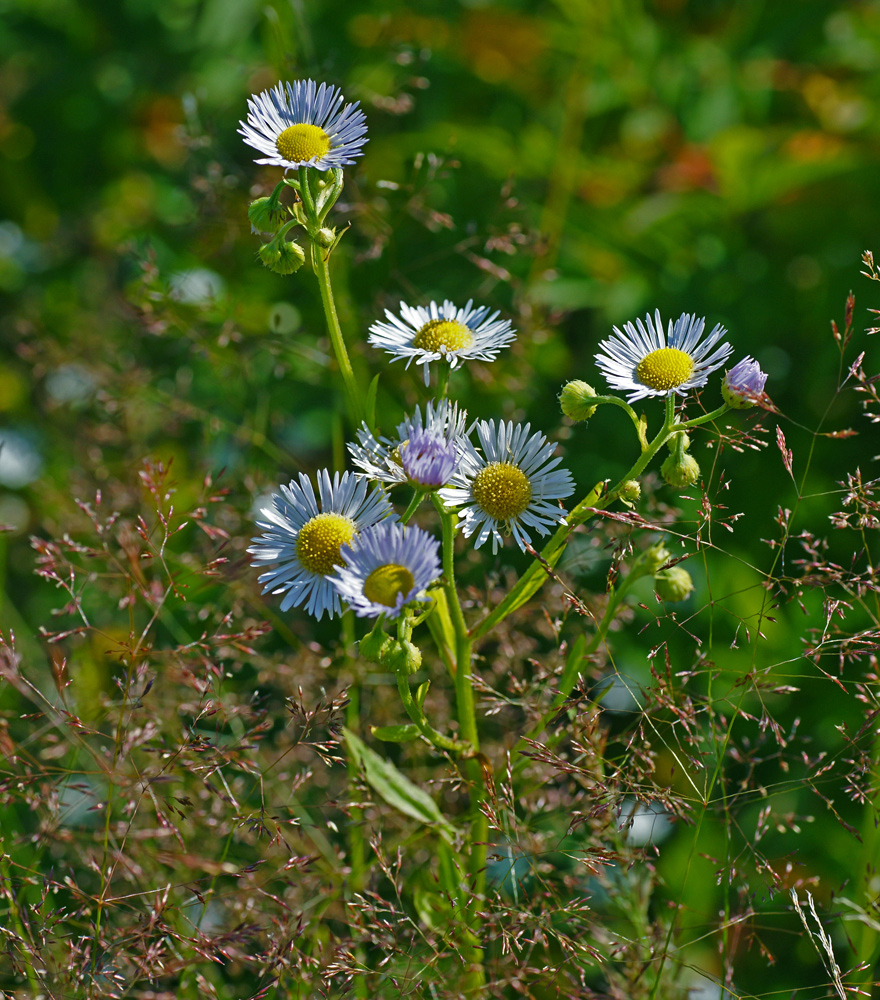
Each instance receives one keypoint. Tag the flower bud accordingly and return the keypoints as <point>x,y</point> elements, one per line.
<point>372,647</point>
<point>673,584</point>
<point>680,469</point>
<point>401,654</point>
<point>282,257</point>
<point>630,491</point>
<point>326,237</point>
<point>744,384</point>
<point>266,214</point>
<point>654,557</point>
<point>574,400</point>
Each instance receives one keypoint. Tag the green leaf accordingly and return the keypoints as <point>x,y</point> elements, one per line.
<point>395,788</point>
<point>395,734</point>
<point>440,626</point>
<point>573,663</point>
<point>371,401</point>
<point>421,694</point>
<point>433,909</point>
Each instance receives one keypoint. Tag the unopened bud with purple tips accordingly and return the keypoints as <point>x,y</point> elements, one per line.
<point>743,385</point>
<point>428,459</point>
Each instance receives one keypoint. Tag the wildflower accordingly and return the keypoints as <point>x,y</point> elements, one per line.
<point>574,400</point>
<point>509,486</point>
<point>644,362</point>
<point>385,568</point>
<point>303,537</point>
<point>302,124</point>
<point>744,384</point>
<point>423,454</point>
<point>444,332</point>
<point>673,584</point>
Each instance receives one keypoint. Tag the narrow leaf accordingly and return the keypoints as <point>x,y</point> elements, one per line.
<point>421,694</point>
<point>573,662</point>
<point>371,401</point>
<point>396,789</point>
<point>440,626</point>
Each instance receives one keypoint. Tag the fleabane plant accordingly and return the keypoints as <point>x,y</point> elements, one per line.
<point>351,548</point>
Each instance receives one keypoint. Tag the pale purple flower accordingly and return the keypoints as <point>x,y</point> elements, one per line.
<point>423,452</point>
<point>744,384</point>
<point>428,459</point>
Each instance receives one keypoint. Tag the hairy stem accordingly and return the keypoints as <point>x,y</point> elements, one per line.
<point>473,768</point>
<point>319,257</point>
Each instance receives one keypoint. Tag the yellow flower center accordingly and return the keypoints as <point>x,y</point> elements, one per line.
<point>502,490</point>
<point>666,368</point>
<point>442,335</point>
<point>320,539</point>
<point>385,582</point>
<point>300,143</point>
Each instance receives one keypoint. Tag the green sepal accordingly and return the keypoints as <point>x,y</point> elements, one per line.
<point>395,734</point>
<point>396,789</point>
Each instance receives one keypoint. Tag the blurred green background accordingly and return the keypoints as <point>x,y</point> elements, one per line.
<point>573,164</point>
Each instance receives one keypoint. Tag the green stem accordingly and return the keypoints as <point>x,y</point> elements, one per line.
<point>414,710</point>
<point>355,828</point>
<point>866,946</point>
<point>473,768</point>
<point>417,498</point>
<point>434,737</point>
<point>18,923</point>
<point>617,401</point>
<point>443,379</point>
<point>687,424</point>
<point>319,258</point>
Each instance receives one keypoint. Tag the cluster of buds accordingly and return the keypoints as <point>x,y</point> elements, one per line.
<point>393,654</point>
<point>282,256</point>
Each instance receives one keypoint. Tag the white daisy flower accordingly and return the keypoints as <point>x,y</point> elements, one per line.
<point>385,568</point>
<point>644,362</point>
<point>302,124</point>
<point>425,455</point>
<point>303,537</point>
<point>509,486</point>
<point>444,332</point>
